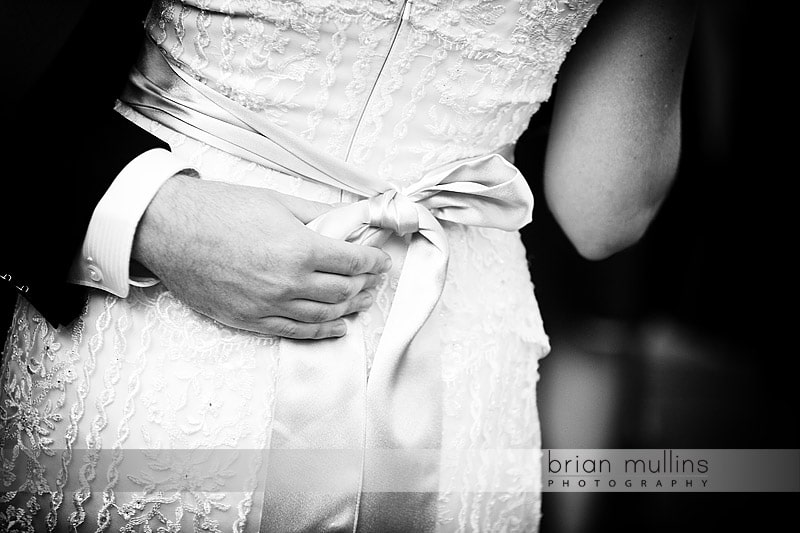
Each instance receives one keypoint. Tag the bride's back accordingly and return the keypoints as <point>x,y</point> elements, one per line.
<point>394,86</point>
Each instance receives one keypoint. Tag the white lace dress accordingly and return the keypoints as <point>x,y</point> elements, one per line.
<point>146,416</point>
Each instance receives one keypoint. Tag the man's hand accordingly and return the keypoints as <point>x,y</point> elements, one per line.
<point>243,256</point>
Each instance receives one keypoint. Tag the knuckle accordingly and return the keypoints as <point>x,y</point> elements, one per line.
<point>343,292</point>
<point>321,314</point>
<point>309,255</point>
<point>279,327</point>
<point>287,329</point>
<point>317,331</point>
<point>282,292</point>
<point>357,263</point>
<point>283,289</point>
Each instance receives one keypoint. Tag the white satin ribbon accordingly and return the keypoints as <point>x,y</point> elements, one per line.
<point>324,400</point>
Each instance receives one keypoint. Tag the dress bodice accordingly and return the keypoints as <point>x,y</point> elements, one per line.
<point>144,414</point>
<point>393,86</point>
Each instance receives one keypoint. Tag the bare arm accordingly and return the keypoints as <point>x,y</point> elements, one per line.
<point>615,137</point>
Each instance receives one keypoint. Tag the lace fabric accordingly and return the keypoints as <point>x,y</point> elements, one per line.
<point>450,79</point>
<point>144,414</point>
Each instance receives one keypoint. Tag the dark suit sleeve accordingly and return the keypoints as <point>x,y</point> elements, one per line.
<point>68,146</point>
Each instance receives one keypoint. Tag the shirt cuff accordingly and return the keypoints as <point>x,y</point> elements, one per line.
<point>104,261</point>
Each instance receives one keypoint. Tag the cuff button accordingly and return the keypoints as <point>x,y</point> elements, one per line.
<point>95,274</point>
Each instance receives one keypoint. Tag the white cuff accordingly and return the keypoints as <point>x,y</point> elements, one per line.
<point>104,260</point>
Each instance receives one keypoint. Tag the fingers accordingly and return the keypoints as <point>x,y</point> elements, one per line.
<point>335,288</point>
<point>340,257</point>
<point>316,312</point>
<point>281,326</point>
<point>313,317</point>
<point>292,329</point>
<point>307,319</point>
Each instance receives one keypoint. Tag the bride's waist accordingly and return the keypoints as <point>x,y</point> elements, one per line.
<point>220,165</point>
<point>372,164</point>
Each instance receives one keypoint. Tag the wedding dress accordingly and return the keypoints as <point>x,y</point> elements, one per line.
<point>144,415</point>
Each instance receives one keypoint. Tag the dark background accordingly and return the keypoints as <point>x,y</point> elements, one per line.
<point>686,339</point>
<point>682,341</point>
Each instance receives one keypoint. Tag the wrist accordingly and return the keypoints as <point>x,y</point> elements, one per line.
<point>155,226</point>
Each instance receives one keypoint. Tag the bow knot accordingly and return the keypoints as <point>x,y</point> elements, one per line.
<point>395,211</point>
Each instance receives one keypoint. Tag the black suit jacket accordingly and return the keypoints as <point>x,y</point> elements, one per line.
<point>67,142</point>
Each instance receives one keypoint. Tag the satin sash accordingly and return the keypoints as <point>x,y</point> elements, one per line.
<point>341,437</point>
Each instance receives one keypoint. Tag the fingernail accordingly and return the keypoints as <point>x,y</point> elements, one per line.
<point>387,264</point>
<point>339,329</point>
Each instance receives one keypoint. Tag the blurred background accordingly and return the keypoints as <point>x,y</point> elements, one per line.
<point>684,340</point>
